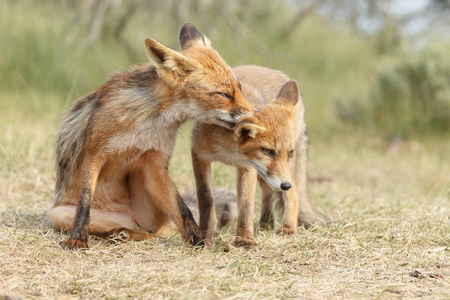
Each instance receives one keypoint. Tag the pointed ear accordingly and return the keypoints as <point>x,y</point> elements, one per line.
<point>169,63</point>
<point>190,36</point>
<point>247,129</point>
<point>288,94</point>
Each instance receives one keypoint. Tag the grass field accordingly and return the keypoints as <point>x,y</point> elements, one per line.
<point>389,202</point>
<point>390,208</point>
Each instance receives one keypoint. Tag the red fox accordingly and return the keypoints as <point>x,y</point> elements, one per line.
<point>113,146</point>
<point>271,145</point>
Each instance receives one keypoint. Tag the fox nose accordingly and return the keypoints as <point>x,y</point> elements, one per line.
<point>285,186</point>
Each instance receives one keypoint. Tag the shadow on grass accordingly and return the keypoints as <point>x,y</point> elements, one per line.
<point>24,220</point>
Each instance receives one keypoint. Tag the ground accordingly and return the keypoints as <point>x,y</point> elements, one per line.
<point>389,237</point>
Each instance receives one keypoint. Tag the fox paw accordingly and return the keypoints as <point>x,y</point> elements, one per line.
<point>74,244</point>
<point>248,243</point>
<point>211,234</point>
<point>125,235</point>
<point>286,231</point>
<point>196,237</point>
<point>265,226</point>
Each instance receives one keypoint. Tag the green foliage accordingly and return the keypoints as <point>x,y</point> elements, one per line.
<point>411,95</point>
<point>48,59</point>
<point>42,51</point>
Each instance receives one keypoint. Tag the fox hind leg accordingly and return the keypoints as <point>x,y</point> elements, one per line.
<point>267,218</point>
<point>103,224</point>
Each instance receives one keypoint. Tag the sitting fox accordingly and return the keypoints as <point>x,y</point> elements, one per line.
<point>270,146</point>
<point>114,145</point>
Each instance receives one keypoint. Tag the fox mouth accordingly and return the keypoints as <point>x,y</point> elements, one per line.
<point>226,120</point>
<point>274,186</point>
<point>226,123</point>
<point>272,182</point>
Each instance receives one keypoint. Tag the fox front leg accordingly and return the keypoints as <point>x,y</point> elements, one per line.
<point>164,195</point>
<point>208,219</point>
<point>246,188</point>
<point>193,234</point>
<point>80,232</point>
<point>290,213</point>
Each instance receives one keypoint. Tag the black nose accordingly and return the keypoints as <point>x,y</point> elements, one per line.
<point>285,186</point>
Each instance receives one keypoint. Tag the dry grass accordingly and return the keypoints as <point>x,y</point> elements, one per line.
<point>391,215</point>
<point>391,211</point>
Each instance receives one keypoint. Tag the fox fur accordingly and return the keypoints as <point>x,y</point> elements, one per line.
<point>225,205</point>
<point>270,146</point>
<point>113,146</point>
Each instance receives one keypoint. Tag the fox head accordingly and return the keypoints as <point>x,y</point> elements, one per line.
<point>199,79</point>
<point>266,140</point>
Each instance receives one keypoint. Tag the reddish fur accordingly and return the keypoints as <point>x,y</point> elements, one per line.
<point>114,145</point>
<point>279,126</point>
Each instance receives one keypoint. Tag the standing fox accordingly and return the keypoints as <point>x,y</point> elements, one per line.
<point>270,145</point>
<point>114,145</point>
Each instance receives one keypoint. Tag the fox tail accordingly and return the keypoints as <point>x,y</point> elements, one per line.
<point>225,204</point>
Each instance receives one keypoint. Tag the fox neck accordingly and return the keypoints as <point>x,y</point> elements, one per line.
<point>225,149</point>
<point>174,106</point>
<point>148,111</point>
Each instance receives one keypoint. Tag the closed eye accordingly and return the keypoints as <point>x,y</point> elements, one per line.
<point>268,152</point>
<point>225,95</point>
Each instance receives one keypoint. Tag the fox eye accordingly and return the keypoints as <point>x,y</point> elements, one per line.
<point>268,152</point>
<point>225,95</point>
<point>291,153</point>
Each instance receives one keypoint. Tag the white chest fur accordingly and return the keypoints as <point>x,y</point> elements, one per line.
<point>150,129</point>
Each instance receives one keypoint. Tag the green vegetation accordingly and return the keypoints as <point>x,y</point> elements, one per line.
<point>411,95</point>
<point>389,201</point>
<point>344,78</point>
<point>51,55</point>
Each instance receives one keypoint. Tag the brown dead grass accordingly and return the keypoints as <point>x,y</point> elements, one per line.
<point>391,214</point>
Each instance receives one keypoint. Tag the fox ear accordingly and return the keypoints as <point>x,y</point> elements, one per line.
<point>247,129</point>
<point>190,36</point>
<point>169,63</point>
<point>288,94</point>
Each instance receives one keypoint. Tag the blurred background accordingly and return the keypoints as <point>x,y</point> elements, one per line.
<point>380,67</point>
<point>374,76</point>
<point>375,79</point>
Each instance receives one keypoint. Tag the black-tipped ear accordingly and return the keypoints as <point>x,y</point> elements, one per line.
<point>247,129</point>
<point>190,36</point>
<point>289,94</point>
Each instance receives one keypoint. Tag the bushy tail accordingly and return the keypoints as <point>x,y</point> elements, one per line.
<point>70,142</point>
<point>225,203</point>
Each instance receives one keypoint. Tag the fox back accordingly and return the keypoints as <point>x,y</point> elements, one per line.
<point>273,142</point>
<point>142,108</point>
